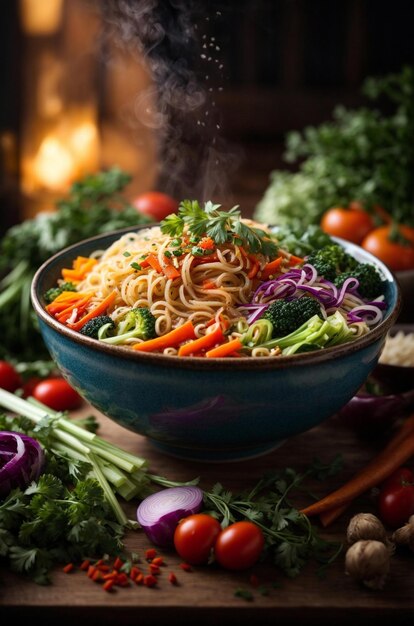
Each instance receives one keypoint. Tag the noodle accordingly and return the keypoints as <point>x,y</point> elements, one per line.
<point>207,287</point>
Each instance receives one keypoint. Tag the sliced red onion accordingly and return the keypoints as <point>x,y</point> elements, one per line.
<point>368,313</point>
<point>160,513</point>
<point>21,461</point>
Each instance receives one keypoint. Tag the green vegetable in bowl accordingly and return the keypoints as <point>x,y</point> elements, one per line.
<point>332,260</point>
<point>371,285</point>
<point>138,323</point>
<point>287,315</point>
<point>99,327</point>
<point>52,293</point>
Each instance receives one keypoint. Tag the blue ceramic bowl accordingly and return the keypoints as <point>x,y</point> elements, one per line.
<point>209,409</point>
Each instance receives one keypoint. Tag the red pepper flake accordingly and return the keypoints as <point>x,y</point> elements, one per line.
<point>134,572</point>
<point>139,579</point>
<point>85,565</point>
<point>97,576</point>
<point>254,581</point>
<point>118,563</point>
<point>68,568</point>
<point>103,567</point>
<point>122,580</point>
<point>150,554</point>
<point>108,585</point>
<point>186,567</point>
<point>150,581</point>
<point>158,561</point>
<point>154,569</point>
<point>172,578</point>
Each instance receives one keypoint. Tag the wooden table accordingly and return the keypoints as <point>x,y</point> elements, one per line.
<point>206,595</point>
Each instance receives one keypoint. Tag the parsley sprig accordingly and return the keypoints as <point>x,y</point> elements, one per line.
<point>290,537</point>
<point>222,226</point>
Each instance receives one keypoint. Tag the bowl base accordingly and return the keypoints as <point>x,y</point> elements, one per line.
<point>216,455</point>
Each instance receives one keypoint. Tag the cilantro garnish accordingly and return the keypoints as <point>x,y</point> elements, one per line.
<point>221,226</point>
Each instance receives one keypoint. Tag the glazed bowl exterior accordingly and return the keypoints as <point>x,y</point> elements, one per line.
<point>209,409</point>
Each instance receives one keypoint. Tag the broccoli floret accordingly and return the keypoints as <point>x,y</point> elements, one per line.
<point>98,327</point>
<point>52,293</point>
<point>138,323</point>
<point>287,316</point>
<point>371,284</point>
<point>331,260</point>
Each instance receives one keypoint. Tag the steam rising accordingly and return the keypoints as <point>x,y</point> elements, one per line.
<point>195,160</point>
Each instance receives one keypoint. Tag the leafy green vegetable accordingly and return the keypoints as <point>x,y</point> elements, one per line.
<point>289,536</point>
<point>362,154</point>
<point>287,315</point>
<point>138,323</point>
<point>94,205</point>
<point>221,226</point>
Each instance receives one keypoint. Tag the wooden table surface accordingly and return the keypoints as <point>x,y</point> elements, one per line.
<point>206,595</point>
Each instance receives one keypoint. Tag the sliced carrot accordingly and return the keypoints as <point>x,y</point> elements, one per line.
<point>98,310</point>
<point>169,270</point>
<point>80,267</point>
<point>397,452</point>
<point>209,258</point>
<point>224,322</point>
<point>56,307</point>
<point>225,349</point>
<point>331,515</point>
<point>255,266</point>
<point>295,260</point>
<point>171,339</point>
<point>207,243</point>
<point>81,305</point>
<point>202,343</point>
<point>153,261</point>
<point>271,268</point>
<point>209,284</point>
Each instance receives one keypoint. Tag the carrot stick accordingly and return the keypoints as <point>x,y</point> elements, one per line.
<point>171,339</point>
<point>209,284</point>
<point>225,349</point>
<point>254,268</point>
<point>202,343</point>
<point>391,458</point>
<point>271,268</point>
<point>169,270</point>
<point>98,310</point>
<point>295,260</point>
<point>154,263</point>
<point>331,515</point>
<point>81,304</point>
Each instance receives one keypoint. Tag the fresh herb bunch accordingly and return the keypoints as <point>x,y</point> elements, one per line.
<point>362,154</point>
<point>290,538</point>
<point>222,226</point>
<point>94,205</point>
<point>60,518</point>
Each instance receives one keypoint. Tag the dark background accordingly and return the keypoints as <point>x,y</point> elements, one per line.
<point>286,64</point>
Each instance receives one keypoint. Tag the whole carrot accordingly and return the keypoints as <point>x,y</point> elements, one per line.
<point>328,517</point>
<point>397,452</point>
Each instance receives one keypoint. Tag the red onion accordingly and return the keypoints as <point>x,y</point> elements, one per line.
<point>21,461</point>
<point>160,513</point>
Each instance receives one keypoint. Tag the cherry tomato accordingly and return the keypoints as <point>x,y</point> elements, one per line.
<point>397,255</point>
<point>9,379</point>
<point>398,478</point>
<point>239,545</point>
<point>155,204</point>
<point>352,224</point>
<point>57,394</point>
<point>29,386</point>
<point>195,537</point>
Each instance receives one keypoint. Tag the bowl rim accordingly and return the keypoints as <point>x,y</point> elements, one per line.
<point>201,363</point>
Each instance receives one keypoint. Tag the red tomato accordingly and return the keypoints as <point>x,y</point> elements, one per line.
<point>195,537</point>
<point>239,545</point>
<point>397,255</point>
<point>396,498</point>
<point>57,394</point>
<point>155,204</point>
<point>29,386</point>
<point>398,478</point>
<point>352,224</point>
<point>9,379</point>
